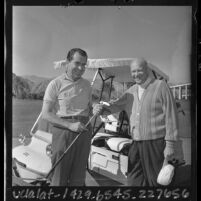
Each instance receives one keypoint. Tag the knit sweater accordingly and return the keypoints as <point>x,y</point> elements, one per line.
<point>154,115</point>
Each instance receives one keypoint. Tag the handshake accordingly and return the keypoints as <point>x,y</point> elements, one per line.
<point>101,107</point>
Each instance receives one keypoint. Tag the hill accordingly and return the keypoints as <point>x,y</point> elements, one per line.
<point>40,87</point>
<point>21,86</point>
<point>34,78</point>
<point>31,87</point>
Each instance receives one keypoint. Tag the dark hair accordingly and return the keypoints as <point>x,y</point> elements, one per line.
<point>73,51</point>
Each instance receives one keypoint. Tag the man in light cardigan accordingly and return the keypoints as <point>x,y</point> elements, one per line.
<point>153,124</point>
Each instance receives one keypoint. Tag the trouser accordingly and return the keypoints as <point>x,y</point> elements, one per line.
<point>145,160</point>
<point>71,170</point>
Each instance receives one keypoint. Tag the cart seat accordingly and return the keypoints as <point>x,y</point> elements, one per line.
<point>112,142</point>
<point>118,143</point>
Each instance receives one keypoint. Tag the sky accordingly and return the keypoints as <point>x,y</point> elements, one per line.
<point>44,34</point>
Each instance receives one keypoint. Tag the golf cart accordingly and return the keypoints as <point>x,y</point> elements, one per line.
<point>110,138</point>
<point>32,159</point>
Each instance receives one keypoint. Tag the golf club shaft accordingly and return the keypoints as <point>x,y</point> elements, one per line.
<point>68,148</point>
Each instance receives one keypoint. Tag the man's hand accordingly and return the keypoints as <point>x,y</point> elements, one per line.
<point>77,127</point>
<point>97,109</point>
<point>169,151</point>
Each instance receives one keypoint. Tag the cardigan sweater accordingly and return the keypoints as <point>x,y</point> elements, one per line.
<point>154,115</point>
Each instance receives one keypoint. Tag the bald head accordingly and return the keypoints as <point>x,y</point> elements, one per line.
<point>139,62</point>
<point>139,70</point>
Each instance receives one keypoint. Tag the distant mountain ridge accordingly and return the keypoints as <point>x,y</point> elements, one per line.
<point>31,87</point>
<point>34,78</point>
<point>40,87</point>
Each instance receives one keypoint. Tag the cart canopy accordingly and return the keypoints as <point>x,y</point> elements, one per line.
<point>120,68</point>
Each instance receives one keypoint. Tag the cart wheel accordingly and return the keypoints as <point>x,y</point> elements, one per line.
<point>14,169</point>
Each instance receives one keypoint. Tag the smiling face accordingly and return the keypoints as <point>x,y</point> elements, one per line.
<point>139,71</point>
<point>76,67</point>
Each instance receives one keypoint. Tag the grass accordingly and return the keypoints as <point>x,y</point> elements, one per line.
<point>25,113</point>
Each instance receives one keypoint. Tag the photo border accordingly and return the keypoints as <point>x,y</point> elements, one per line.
<point>9,189</point>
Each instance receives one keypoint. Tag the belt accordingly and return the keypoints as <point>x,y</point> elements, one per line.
<point>80,118</point>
